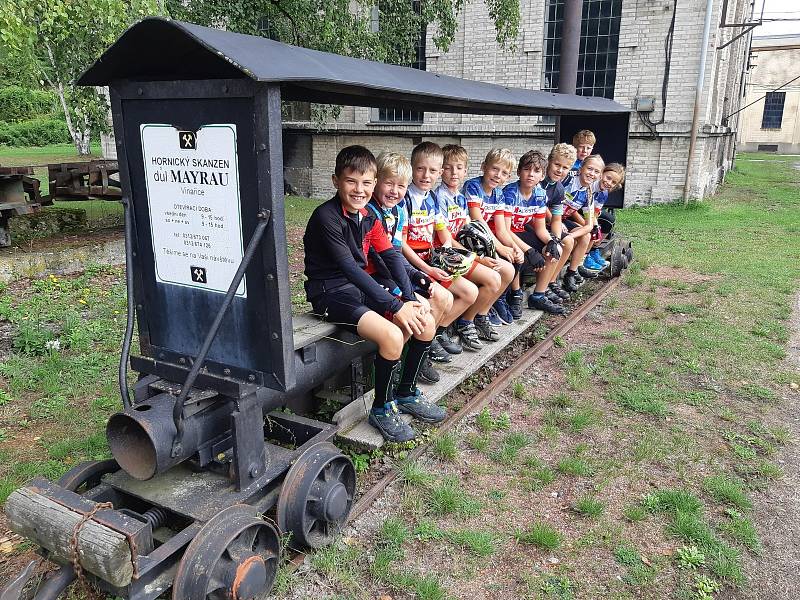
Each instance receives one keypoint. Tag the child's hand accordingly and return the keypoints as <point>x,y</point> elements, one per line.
<point>439,274</point>
<point>490,262</point>
<point>505,252</point>
<point>519,257</point>
<point>410,318</point>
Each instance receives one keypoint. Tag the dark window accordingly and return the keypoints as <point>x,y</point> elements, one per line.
<point>773,110</point>
<point>597,61</point>
<point>768,147</point>
<point>405,115</point>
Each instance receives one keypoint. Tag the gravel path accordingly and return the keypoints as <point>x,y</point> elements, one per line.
<point>776,574</point>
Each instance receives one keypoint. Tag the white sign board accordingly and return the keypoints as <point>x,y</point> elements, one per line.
<point>193,195</point>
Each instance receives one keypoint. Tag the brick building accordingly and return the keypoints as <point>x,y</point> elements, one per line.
<point>622,57</point>
<point>772,121</point>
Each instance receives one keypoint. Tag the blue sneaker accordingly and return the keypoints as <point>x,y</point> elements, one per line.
<point>493,318</point>
<point>503,311</point>
<point>598,258</point>
<point>386,419</point>
<point>588,263</point>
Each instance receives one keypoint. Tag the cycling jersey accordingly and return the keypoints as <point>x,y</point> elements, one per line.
<point>336,246</point>
<point>578,199</point>
<point>599,197</point>
<point>554,191</point>
<point>491,204</point>
<point>424,220</point>
<point>453,207</point>
<point>572,176</point>
<point>393,219</point>
<point>524,210</point>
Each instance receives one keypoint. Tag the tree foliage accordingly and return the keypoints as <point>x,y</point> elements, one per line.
<point>346,26</point>
<point>54,41</point>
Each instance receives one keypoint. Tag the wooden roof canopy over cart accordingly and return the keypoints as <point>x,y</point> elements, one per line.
<point>197,120</point>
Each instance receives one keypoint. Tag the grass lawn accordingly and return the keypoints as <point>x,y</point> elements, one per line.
<point>624,466</point>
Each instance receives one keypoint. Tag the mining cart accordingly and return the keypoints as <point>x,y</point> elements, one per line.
<point>214,464</point>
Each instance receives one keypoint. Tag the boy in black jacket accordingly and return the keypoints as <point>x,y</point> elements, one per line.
<point>338,238</point>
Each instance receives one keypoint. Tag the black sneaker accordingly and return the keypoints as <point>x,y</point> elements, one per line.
<point>553,297</point>
<point>543,303</point>
<point>387,420</point>
<point>418,406</point>
<point>572,281</point>
<point>438,354</point>
<point>485,329</point>
<point>514,299</point>
<point>447,342</point>
<point>587,273</point>
<point>558,291</point>
<point>469,336</point>
<point>427,372</point>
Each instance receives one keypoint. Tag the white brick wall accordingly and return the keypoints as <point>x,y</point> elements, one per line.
<point>656,167</point>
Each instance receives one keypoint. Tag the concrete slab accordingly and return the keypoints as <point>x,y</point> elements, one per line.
<point>453,373</point>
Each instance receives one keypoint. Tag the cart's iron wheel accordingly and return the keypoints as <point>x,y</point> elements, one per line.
<point>317,496</point>
<point>234,556</point>
<point>87,474</point>
<point>617,259</point>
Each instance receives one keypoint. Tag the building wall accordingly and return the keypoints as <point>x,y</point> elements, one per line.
<point>656,164</point>
<point>775,60</point>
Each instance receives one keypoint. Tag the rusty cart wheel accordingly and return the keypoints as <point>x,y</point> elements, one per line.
<point>235,555</point>
<point>617,259</point>
<point>316,497</point>
<point>87,475</point>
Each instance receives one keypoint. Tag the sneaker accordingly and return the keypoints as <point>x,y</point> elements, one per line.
<point>598,258</point>
<point>553,297</point>
<point>427,373</point>
<point>418,406</point>
<point>387,421</point>
<point>503,312</point>
<point>485,329</point>
<point>493,317</point>
<point>469,336</point>
<point>558,291</point>
<point>584,272</point>
<point>589,263</point>
<point>572,281</point>
<point>446,341</point>
<point>544,304</point>
<point>437,353</point>
<point>514,299</point>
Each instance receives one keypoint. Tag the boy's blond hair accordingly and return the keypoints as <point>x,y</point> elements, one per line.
<point>503,156</point>
<point>455,153</point>
<point>593,158</point>
<point>427,149</point>
<point>563,150</point>
<point>584,136</point>
<point>619,170</point>
<point>392,164</point>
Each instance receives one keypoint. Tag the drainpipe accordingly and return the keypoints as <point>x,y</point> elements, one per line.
<point>697,98</point>
<point>570,47</point>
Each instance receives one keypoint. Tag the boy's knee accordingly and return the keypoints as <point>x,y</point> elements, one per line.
<point>495,282</point>
<point>568,243</point>
<point>470,291</point>
<point>391,344</point>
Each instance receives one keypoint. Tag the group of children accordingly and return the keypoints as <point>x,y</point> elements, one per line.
<point>411,254</point>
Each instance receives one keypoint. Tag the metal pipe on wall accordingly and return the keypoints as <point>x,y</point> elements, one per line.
<point>570,47</point>
<point>698,97</point>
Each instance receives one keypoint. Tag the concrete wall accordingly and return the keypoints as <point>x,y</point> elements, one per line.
<point>775,60</point>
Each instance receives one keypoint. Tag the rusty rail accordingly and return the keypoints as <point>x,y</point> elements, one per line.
<point>479,400</point>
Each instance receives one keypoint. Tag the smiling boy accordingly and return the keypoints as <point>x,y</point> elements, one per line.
<point>559,162</point>
<point>580,220</point>
<point>427,227</point>
<point>337,240</point>
<point>486,203</point>
<point>527,201</point>
<point>584,142</point>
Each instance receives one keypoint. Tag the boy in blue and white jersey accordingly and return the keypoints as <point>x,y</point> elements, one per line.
<point>584,142</point>
<point>526,201</point>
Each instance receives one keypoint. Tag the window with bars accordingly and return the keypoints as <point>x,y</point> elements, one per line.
<point>773,110</point>
<point>597,60</point>
<point>405,115</point>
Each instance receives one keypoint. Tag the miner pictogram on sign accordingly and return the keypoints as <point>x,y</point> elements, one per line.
<point>187,140</point>
<point>199,275</point>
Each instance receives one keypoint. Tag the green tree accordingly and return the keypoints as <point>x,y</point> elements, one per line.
<point>347,26</point>
<point>54,41</point>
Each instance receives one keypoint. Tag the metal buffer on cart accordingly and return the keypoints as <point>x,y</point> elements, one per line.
<point>207,472</point>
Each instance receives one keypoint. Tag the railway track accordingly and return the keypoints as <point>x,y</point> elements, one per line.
<point>497,385</point>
